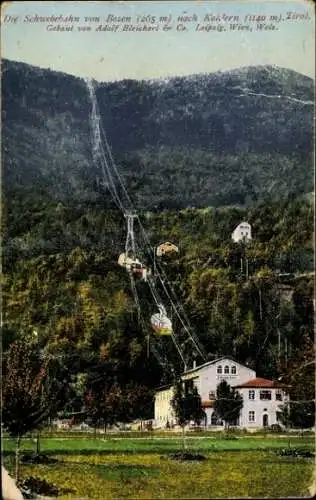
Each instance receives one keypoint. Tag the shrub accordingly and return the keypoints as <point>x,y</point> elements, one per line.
<point>187,456</point>
<point>31,485</point>
<point>295,452</point>
<point>28,458</point>
<point>275,428</point>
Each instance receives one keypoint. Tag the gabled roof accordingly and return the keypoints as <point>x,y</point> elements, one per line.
<point>207,404</point>
<point>200,367</point>
<point>166,243</point>
<point>163,387</point>
<point>209,363</point>
<point>261,383</point>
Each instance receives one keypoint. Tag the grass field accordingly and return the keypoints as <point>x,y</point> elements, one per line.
<point>140,468</point>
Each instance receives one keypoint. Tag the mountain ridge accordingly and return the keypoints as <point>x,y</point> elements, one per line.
<point>235,70</point>
<point>251,130</point>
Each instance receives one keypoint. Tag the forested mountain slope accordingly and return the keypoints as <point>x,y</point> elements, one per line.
<point>213,139</point>
<point>198,155</point>
<point>62,277</point>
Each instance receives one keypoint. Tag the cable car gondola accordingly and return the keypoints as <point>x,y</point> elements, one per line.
<point>160,322</point>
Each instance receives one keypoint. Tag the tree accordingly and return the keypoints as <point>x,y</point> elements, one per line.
<point>113,403</point>
<point>139,402</point>
<point>299,375</point>
<point>187,405</point>
<point>300,415</point>
<point>104,406</point>
<point>228,403</point>
<point>30,391</point>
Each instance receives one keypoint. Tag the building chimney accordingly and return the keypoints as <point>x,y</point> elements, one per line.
<point>194,364</point>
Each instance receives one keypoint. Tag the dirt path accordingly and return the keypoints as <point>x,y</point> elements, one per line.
<point>9,489</point>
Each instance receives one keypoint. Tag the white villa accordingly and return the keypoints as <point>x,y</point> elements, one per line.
<point>242,232</point>
<point>262,398</point>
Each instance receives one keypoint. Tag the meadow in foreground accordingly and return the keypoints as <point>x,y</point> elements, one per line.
<point>141,469</point>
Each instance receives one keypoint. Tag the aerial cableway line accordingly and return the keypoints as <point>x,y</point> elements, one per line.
<point>136,254</point>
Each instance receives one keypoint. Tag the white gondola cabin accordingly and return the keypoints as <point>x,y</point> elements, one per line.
<point>125,261</point>
<point>160,322</point>
<point>134,266</point>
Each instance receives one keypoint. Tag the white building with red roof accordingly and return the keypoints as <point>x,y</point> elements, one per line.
<point>262,402</point>
<point>262,398</point>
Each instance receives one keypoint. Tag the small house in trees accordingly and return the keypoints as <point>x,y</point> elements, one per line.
<point>166,248</point>
<point>262,399</point>
<point>242,233</point>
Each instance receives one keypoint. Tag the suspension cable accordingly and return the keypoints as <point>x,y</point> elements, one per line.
<point>199,350</point>
<point>98,133</point>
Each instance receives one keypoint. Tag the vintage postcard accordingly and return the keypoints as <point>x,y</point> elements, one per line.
<point>157,252</point>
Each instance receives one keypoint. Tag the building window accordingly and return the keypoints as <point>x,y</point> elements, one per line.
<point>226,369</point>
<point>251,416</point>
<point>211,395</point>
<point>278,415</point>
<point>264,394</point>
<point>233,370</point>
<point>278,395</point>
<point>251,394</point>
<point>219,369</point>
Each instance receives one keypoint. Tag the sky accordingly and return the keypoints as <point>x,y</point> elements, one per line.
<point>108,55</point>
